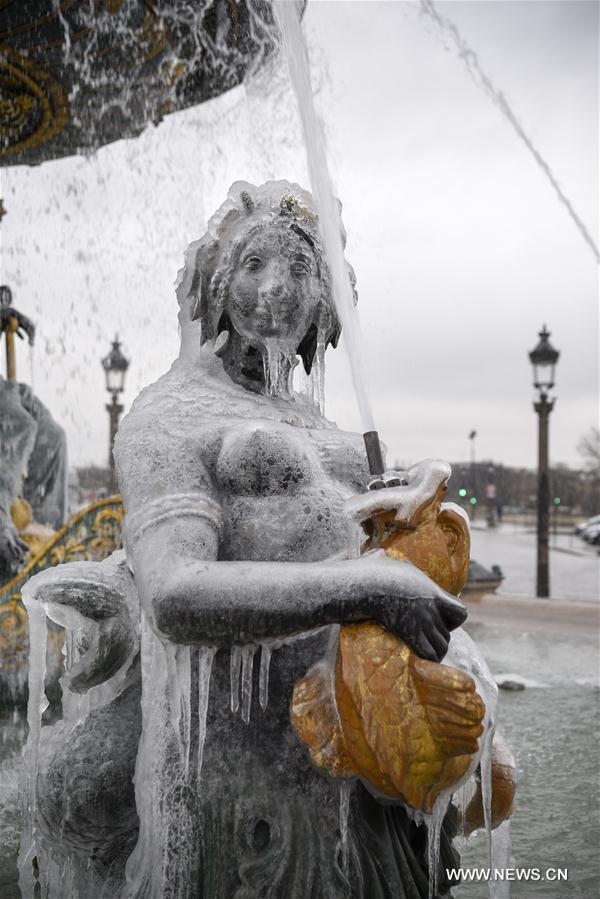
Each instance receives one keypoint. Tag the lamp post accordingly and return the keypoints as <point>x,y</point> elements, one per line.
<point>543,358</point>
<point>115,365</point>
<point>474,497</point>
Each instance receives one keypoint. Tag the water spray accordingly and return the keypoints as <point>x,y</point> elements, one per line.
<point>483,80</point>
<point>288,19</point>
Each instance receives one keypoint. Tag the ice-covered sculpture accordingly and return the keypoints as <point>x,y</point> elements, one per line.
<point>237,579</point>
<point>33,467</point>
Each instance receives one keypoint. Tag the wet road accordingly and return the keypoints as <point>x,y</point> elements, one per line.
<point>574,566</point>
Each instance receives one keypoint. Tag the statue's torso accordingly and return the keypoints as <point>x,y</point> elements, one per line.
<point>282,491</point>
<point>278,821</point>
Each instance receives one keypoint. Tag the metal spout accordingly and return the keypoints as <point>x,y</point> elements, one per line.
<point>374,454</point>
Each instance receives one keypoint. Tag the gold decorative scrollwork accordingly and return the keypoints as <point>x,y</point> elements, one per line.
<point>34,107</point>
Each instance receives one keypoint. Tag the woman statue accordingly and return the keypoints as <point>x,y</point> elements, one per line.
<point>234,488</point>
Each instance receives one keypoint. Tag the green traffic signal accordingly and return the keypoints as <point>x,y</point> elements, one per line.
<point>556,500</point>
<point>462,492</point>
<point>473,501</point>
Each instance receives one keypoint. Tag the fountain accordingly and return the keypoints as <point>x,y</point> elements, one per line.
<point>256,699</point>
<point>77,76</point>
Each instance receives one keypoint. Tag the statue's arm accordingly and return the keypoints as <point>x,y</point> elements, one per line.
<point>172,532</point>
<point>192,598</point>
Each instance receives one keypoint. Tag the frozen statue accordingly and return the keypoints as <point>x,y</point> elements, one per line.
<point>33,457</point>
<point>269,694</point>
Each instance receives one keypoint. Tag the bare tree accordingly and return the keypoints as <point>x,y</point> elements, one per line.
<point>589,448</point>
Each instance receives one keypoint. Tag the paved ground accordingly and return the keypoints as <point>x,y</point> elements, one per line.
<point>574,566</point>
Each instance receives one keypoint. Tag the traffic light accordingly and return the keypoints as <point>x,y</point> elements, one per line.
<point>473,500</point>
<point>556,500</point>
<point>462,492</point>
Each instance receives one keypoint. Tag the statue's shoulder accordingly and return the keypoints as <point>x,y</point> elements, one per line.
<point>175,417</point>
<point>182,393</point>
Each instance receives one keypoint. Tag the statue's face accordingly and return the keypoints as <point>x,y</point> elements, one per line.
<point>274,291</point>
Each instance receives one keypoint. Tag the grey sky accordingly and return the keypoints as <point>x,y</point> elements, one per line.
<point>461,248</point>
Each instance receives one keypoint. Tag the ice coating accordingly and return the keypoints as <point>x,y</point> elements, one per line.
<point>463,654</point>
<point>279,207</point>
<point>421,483</point>
<point>153,868</point>
<point>35,708</point>
<point>236,530</point>
<point>99,605</point>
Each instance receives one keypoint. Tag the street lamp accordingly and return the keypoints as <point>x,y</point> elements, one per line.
<point>473,500</point>
<point>115,365</point>
<point>543,358</point>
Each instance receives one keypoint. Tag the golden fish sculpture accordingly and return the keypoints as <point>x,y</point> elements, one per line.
<point>407,726</point>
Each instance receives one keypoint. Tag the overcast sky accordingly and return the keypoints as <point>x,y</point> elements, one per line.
<point>461,248</point>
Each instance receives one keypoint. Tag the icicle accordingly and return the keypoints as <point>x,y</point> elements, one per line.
<point>293,364</point>
<point>68,649</point>
<point>184,677</point>
<point>278,365</point>
<point>501,849</point>
<point>174,693</point>
<point>144,862</point>
<point>345,791</point>
<point>37,703</point>
<point>486,784</point>
<point>235,664</point>
<point>355,540</point>
<point>306,385</point>
<point>247,671</point>
<point>271,362</point>
<point>434,830</point>
<point>462,797</point>
<point>319,364</point>
<point>205,661</point>
<point>263,679</point>
<point>66,879</point>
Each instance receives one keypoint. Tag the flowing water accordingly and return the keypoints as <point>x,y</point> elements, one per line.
<point>288,18</point>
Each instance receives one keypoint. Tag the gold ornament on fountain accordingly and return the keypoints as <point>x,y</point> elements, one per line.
<point>408,726</point>
<point>35,535</point>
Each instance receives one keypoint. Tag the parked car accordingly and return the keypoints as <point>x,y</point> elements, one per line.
<point>583,525</point>
<point>592,534</point>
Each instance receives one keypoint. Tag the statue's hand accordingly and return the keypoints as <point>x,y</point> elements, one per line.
<point>416,609</point>
<point>97,604</point>
<point>12,548</point>
<point>409,727</point>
